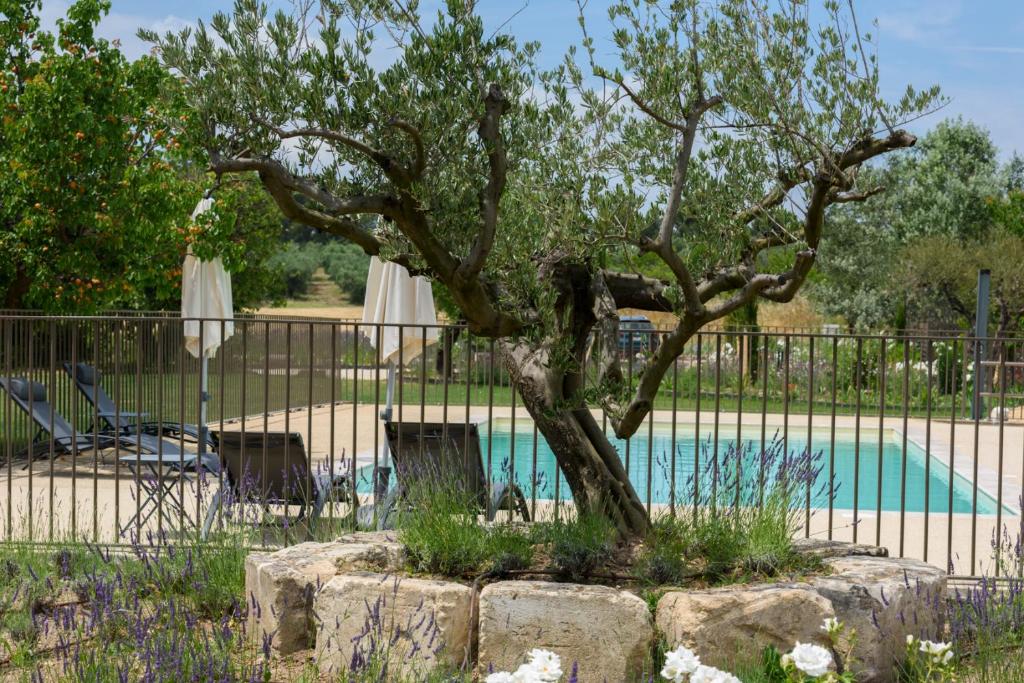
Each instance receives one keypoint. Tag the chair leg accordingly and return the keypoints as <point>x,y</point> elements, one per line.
<point>211,514</point>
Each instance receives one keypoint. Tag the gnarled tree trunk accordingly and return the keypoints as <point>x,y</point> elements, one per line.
<point>585,455</point>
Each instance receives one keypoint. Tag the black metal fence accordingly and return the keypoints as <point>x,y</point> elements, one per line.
<point>920,437</point>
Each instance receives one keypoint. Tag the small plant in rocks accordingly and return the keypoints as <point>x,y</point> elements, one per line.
<point>579,545</point>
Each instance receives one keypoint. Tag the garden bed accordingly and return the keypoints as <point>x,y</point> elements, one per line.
<point>355,599</point>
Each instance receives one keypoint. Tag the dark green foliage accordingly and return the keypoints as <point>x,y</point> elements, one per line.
<point>347,265</point>
<point>295,266</point>
<point>578,546</point>
<point>663,559</point>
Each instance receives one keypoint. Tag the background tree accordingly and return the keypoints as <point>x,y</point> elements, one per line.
<point>86,184</point>
<point>942,188</point>
<point>95,190</point>
<point>732,126</point>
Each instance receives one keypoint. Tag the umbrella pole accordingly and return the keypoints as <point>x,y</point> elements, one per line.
<point>204,379</point>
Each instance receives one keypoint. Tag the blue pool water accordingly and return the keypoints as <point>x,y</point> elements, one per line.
<point>504,453</point>
<point>660,448</point>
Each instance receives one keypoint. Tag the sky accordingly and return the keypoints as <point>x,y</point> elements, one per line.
<point>973,49</point>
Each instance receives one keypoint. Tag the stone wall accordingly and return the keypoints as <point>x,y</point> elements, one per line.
<point>345,601</point>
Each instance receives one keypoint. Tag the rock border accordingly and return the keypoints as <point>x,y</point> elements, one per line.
<point>349,600</point>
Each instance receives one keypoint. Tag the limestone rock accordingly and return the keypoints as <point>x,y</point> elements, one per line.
<point>825,549</point>
<point>722,624</point>
<point>884,599</point>
<point>421,622</point>
<point>607,632</point>
<point>280,585</point>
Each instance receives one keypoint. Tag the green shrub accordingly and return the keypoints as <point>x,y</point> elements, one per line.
<point>442,535</point>
<point>295,266</point>
<point>347,265</point>
<point>579,545</point>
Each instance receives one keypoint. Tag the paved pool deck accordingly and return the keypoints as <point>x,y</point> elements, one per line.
<point>90,497</point>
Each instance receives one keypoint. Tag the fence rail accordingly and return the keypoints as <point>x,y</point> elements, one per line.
<point>921,437</point>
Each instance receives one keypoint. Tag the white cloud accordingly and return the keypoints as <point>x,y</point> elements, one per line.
<point>118,26</point>
<point>918,26</point>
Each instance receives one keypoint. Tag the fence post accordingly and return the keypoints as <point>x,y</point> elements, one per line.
<point>980,333</point>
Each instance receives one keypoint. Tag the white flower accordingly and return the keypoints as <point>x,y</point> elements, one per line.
<point>938,652</point>
<point>679,663</point>
<point>525,674</point>
<point>910,639</point>
<point>709,674</point>
<point>812,660</point>
<point>500,677</point>
<point>547,664</point>
<point>831,626</point>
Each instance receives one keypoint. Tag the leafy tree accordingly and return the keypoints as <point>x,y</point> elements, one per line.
<point>730,127</point>
<point>942,188</point>
<point>945,270</point>
<point>347,265</point>
<point>88,189</point>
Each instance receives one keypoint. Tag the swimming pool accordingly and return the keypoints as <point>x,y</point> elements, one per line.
<point>498,444</point>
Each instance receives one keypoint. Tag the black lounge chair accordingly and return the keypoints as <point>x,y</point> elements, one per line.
<point>441,453</point>
<point>87,380</point>
<point>54,427</point>
<point>272,469</point>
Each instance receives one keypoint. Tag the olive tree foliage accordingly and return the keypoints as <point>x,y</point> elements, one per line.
<point>718,133</point>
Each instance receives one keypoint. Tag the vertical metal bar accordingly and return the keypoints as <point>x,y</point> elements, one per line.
<point>423,393</point>
<point>858,378</point>
<point>8,324</point>
<point>261,480</point>
<point>52,444</point>
<point>979,371</point>
<point>74,441</point>
<point>716,463</point>
<point>696,425</point>
<point>308,465</point>
<point>672,449</point>
<point>469,380</point>
<point>96,331</point>
<point>332,373</point>
<point>903,461</point>
<point>764,394</point>
<point>999,471</point>
<point>883,358</point>
<point>810,433</point>
<point>952,452</point>
<point>490,419</point>
<point>742,344</point>
<point>30,466</point>
<point>832,439</point>
<point>401,387</point>
<point>929,350</point>
<point>629,383</point>
<point>512,449</point>
<point>287,420</point>
<point>355,419</point>
<point>785,394</point>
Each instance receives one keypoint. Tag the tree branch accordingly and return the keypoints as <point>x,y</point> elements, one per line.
<point>631,290</point>
<point>662,246</point>
<point>489,130</point>
<point>281,184</point>
<point>827,187</point>
<point>395,171</point>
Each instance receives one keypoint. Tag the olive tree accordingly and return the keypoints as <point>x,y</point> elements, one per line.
<point>718,133</point>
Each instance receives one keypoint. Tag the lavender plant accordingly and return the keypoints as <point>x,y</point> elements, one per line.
<point>742,509</point>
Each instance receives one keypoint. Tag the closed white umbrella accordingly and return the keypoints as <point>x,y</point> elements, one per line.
<point>393,299</point>
<point>205,302</point>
